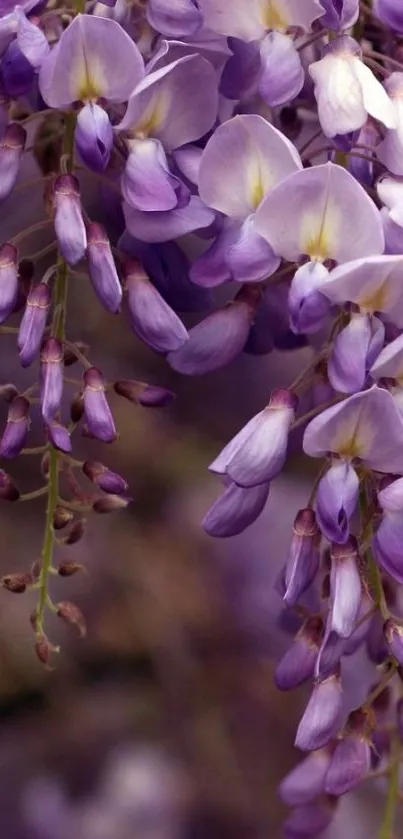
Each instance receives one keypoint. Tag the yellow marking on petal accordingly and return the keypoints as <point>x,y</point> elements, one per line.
<point>354,442</point>
<point>376,301</point>
<point>274,16</point>
<point>153,117</point>
<point>319,234</point>
<point>89,83</point>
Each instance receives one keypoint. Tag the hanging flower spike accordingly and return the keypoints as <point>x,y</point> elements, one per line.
<point>367,426</point>
<point>347,91</point>
<point>163,114</point>
<point>259,157</point>
<point>310,214</point>
<point>258,452</point>
<point>94,61</point>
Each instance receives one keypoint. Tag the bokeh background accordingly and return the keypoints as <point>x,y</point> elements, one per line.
<point>164,722</point>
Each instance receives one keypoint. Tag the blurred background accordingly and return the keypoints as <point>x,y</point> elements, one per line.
<point>164,722</point>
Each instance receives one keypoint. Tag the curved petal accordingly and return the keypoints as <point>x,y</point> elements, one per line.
<point>174,18</point>
<point>236,509</point>
<point>258,157</point>
<point>310,213</point>
<point>94,137</point>
<point>336,501</point>
<point>353,351</point>
<point>374,283</point>
<point>147,183</point>
<point>250,258</point>
<point>282,74</point>
<point>390,361</point>
<point>161,227</point>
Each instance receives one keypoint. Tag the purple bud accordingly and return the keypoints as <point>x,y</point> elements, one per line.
<point>103,478</point>
<point>68,220</point>
<point>336,501</point>
<point>151,317</point>
<point>70,613</point>
<point>97,411</point>
<point>11,148</point>
<point>77,531</point>
<point>33,323</point>
<point>8,279</point>
<point>303,556</point>
<point>393,632</point>
<point>307,780</point>
<point>16,431</point>
<point>8,392</point>
<point>110,503</point>
<point>219,338</point>
<point>51,376</point>
<point>141,393</point>
<point>59,436</point>
<point>102,268</point>
<point>62,517</point>
<point>235,510</point>
<point>298,664</point>
<point>351,760</point>
<point>309,821</point>
<point>8,489</point>
<point>345,588</point>
<point>323,714</point>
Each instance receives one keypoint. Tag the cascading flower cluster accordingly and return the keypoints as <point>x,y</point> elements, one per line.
<point>266,136</point>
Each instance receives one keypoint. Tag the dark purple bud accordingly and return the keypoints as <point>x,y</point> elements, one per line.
<point>33,323</point>
<point>351,760</point>
<point>59,436</point>
<point>102,268</point>
<point>8,392</point>
<point>151,317</point>
<point>303,556</point>
<point>235,510</point>
<point>17,583</point>
<point>309,821</point>
<point>16,72</point>
<point>8,489</point>
<point>377,647</point>
<point>345,588</point>
<point>43,648</point>
<point>51,377</point>
<point>68,220</point>
<point>12,146</point>
<point>110,503</point>
<point>77,531</point>
<point>94,136</point>
<point>70,613</point>
<point>97,411</point>
<point>70,356</point>
<point>141,393</point>
<point>77,408</point>
<point>68,568</point>
<point>62,517</point>
<point>307,781</point>
<point>8,279</point>
<point>219,338</point>
<point>336,501</point>
<point>16,431</point>
<point>298,664</point>
<point>104,479</point>
<point>393,632</point>
<point>323,715</point>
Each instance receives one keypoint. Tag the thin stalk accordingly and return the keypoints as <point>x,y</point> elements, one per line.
<point>389,818</point>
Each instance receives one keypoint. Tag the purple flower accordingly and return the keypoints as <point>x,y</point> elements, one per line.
<point>298,663</point>
<point>387,541</point>
<point>68,220</point>
<point>303,556</point>
<point>16,431</point>
<point>104,478</point>
<point>345,588</point>
<point>97,412</point>
<point>393,632</point>
<point>322,717</point>
<point>336,501</point>
<point>51,378</point>
<point>235,510</point>
<point>33,323</point>
<point>351,760</point>
<point>151,317</point>
<point>389,13</point>
<point>102,268</point>
<point>339,14</point>
<point>174,18</point>
<point>8,279</point>
<point>307,781</point>
<point>12,146</point>
<point>258,452</point>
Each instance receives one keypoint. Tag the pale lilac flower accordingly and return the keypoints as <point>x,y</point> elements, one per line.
<point>336,501</point>
<point>339,14</point>
<point>307,780</point>
<point>235,510</point>
<point>323,715</point>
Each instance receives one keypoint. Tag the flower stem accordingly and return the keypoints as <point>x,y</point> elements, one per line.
<point>389,818</point>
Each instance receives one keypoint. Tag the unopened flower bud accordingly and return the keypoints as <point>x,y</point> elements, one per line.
<point>8,279</point>
<point>8,489</point>
<point>104,478</point>
<point>141,393</point>
<point>59,436</point>
<point>298,664</point>
<point>351,760</point>
<point>17,583</point>
<point>44,648</point>
<point>77,532</point>
<point>393,632</point>
<point>345,588</point>
<point>151,317</point>
<point>97,411</point>
<point>51,374</point>
<point>307,781</point>
<point>303,556</point>
<point>322,717</point>
<point>102,269</point>
<point>16,430</point>
<point>36,569</point>
<point>68,568</point>
<point>110,503</point>
<point>68,220</point>
<point>70,613</point>
<point>8,392</point>
<point>33,323</point>
<point>12,146</point>
<point>62,517</point>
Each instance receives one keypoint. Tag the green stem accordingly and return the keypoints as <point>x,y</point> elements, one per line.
<point>58,330</point>
<point>389,818</point>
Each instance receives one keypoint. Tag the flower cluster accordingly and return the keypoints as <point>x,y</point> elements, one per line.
<point>267,137</point>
